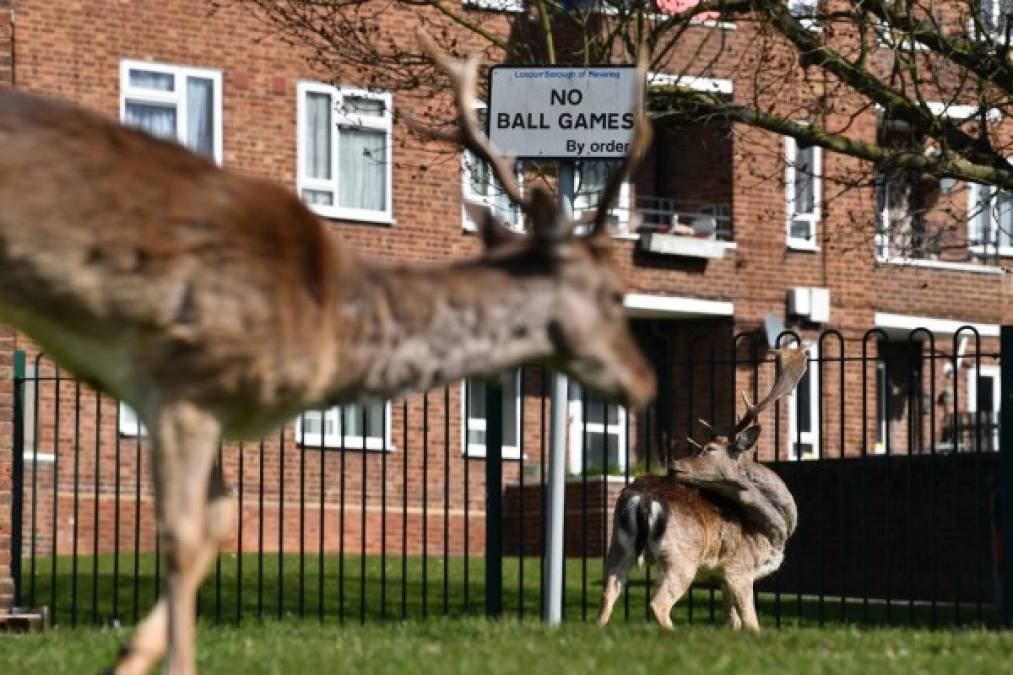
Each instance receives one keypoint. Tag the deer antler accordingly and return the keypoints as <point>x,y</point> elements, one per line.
<point>464,77</point>
<point>791,366</point>
<point>642,135</point>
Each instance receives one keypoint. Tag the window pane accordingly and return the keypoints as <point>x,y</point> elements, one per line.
<point>318,136</point>
<point>880,403</point>
<point>510,412</point>
<point>803,402</point>
<point>363,106</point>
<point>805,197</point>
<point>476,399</point>
<point>602,450</point>
<point>986,387</point>
<point>157,120</point>
<point>362,169</point>
<point>356,416</point>
<point>801,229</point>
<point>28,407</point>
<point>310,423</point>
<point>200,132</point>
<point>318,197</point>
<point>146,79</point>
<point>980,215</point>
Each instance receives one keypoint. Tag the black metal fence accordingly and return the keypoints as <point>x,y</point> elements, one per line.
<point>382,512</point>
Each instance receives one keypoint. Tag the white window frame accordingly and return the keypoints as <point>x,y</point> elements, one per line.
<point>974,206</point>
<point>995,372</point>
<point>468,423</point>
<point>340,118</point>
<point>175,98</point>
<point>128,423</point>
<point>496,5</point>
<point>576,416</point>
<point>811,437</point>
<point>791,154</point>
<point>334,441</point>
<point>622,208</point>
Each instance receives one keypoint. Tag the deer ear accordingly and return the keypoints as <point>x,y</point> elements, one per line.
<point>493,231</point>
<point>744,441</point>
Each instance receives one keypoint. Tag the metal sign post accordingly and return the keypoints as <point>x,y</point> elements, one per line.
<point>552,603</point>
<point>565,113</point>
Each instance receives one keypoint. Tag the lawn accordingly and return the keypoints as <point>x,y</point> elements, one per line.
<point>247,588</point>
<point>472,645</point>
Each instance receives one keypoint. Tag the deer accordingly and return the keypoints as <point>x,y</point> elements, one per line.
<point>717,515</point>
<point>217,305</point>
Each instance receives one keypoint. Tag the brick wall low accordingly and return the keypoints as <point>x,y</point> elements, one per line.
<point>588,517</point>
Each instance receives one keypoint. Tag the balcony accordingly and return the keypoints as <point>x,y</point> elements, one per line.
<point>676,227</point>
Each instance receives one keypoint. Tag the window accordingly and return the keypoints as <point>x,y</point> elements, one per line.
<point>497,5</point>
<point>805,11</point>
<point>590,180</point>
<point>994,16</point>
<point>603,425</point>
<point>803,413</point>
<point>802,188</point>
<point>29,421</point>
<point>344,152</point>
<point>175,103</point>
<point>473,411</point>
<point>481,185</point>
<point>983,390</point>
<point>990,220</point>
<point>882,423</point>
<point>901,204</point>
<point>128,424</point>
<point>348,427</point>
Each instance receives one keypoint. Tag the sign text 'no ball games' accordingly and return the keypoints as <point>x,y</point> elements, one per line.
<point>562,112</point>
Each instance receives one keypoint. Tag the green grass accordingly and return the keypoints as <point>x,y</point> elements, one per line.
<point>481,646</point>
<point>291,588</point>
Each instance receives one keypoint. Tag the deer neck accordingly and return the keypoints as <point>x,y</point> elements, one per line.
<point>404,329</point>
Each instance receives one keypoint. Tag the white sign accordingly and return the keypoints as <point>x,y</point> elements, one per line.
<point>563,112</point>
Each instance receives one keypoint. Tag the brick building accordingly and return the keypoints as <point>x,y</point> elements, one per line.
<point>706,249</point>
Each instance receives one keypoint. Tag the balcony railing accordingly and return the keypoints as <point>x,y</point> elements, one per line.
<point>666,215</point>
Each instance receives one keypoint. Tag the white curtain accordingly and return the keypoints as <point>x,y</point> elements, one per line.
<point>146,79</point>
<point>157,120</point>
<point>200,116</point>
<point>1004,218</point>
<point>317,140</point>
<point>362,169</point>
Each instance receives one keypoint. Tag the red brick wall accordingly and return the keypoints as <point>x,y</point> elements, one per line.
<point>6,460</point>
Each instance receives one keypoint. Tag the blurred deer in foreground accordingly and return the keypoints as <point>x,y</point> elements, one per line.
<point>717,515</point>
<point>215,303</point>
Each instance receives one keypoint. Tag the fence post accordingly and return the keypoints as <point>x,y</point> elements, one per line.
<point>494,498</point>
<point>17,473</point>
<point>1006,474</point>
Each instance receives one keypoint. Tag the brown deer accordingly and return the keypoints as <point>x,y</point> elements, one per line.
<point>217,304</point>
<point>718,514</point>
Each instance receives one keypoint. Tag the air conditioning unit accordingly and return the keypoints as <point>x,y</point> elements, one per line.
<point>809,303</point>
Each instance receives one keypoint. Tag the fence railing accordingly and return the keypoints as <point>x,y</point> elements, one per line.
<point>379,511</point>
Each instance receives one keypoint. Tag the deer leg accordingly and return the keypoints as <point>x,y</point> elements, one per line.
<point>617,569</point>
<point>149,640</point>
<point>184,442</point>
<point>732,617</point>
<point>673,586</point>
<point>741,592</point>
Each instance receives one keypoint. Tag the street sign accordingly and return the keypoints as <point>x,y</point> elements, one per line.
<point>562,112</point>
